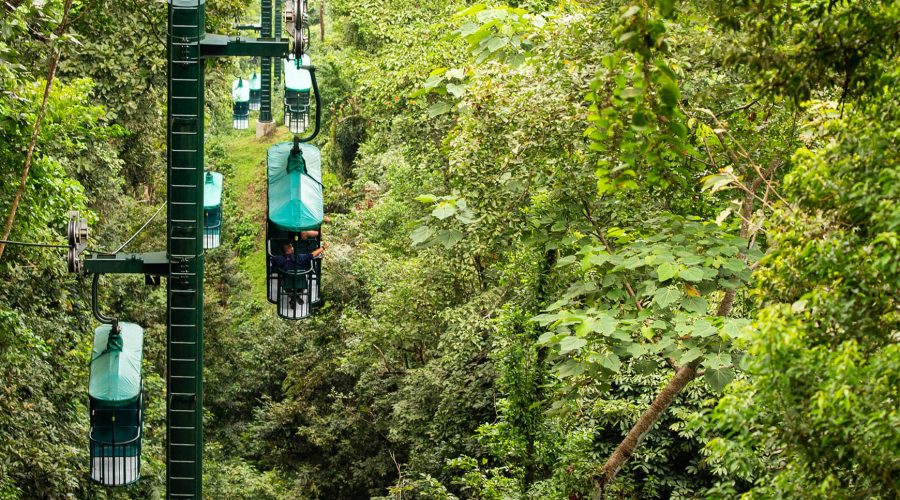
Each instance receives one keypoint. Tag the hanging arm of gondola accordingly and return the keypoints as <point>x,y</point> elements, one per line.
<point>95,306</point>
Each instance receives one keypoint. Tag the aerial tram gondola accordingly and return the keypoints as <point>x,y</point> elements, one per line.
<point>295,215</point>
<point>255,91</point>
<point>240,97</point>
<point>115,395</point>
<point>295,203</point>
<point>297,90</point>
<point>212,210</point>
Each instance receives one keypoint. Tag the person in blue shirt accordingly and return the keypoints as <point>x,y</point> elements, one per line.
<point>291,261</point>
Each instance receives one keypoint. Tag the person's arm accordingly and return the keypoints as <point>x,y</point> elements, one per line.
<point>317,252</point>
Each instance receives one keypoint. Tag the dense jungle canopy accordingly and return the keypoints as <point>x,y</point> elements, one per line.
<point>623,248</point>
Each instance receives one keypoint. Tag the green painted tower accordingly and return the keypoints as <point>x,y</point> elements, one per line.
<point>279,14</point>
<point>184,387</point>
<point>265,67</point>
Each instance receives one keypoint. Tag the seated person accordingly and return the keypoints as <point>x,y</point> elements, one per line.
<point>291,261</point>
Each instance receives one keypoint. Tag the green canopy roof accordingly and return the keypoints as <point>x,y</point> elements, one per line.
<point>295,187</point>
<point>296,78</point>
<point>240,90</point>
<point>116,366</point>
<point>255,82</point>
<point>212,190</point>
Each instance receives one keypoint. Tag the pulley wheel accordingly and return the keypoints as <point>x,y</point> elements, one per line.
<point>71,231</point>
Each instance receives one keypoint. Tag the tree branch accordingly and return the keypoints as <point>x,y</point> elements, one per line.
<point>644,424</point>
<point>36,129</point>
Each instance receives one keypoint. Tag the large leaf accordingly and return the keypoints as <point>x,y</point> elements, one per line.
<point>570,344</point>
<point>421,234</point>
<point>439,108</point>
<point>691,274</point>
<point>666,271</point>
<point>718,379</point>
<point>666,296</point>
<point>444,210</point>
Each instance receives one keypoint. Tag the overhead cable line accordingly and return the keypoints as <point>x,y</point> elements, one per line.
<point>139,231</point>
<point>28,244</point>
<point>96,252</point>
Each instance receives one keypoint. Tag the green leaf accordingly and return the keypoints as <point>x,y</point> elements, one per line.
<point>670,95</point>
<point>666,296</point>
<point>605,325</point>
<point>718,379</point>
<point>426,198</point>
<point>694,274</point>
<point>439,108</point>
<point>632,92</point>
<point>570,344</point>
<point>640,121</point>
<point>717,360</point>
<point>689,356</point>
<point>666,271</point>
<point>569,368</point>
<point>567,260</point>
<point>702,329</point>
<point>421,234</point>
<point>717,182</point>
<point>608,360</point>
<point>444,210</point>
<point>696,305</point>
<point>545,319</point>
<point>456,73</point>
<point>634,9</point>
<point>433,81</point>
<point>456,90</point>
<point>496,43</point>
<point>735,328</point>
<point>645,366</point>
<point>636,350</point>
<point>449,237</point>
<point>666,7</point>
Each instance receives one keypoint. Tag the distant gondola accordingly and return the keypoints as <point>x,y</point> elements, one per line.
<point>212,210</point>
<point>240,97</point>
<point>297,90</point>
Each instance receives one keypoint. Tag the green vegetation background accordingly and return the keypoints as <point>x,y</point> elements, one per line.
<point>541,211</point>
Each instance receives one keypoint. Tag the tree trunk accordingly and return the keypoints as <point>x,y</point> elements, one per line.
<point>644,424</point>
<point>322,19</point>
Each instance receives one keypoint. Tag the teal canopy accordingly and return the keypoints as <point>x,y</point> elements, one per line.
<point>212,190</point>
<point>116,366</point>
<point>255,82</point>
<point>295,187</point>
<point>296,78</point>
<point>240,90</point>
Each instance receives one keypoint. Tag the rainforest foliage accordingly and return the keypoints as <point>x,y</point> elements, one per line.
<point>632,248</point>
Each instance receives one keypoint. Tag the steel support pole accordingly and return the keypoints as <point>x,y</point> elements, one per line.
<point>184,248</point>
<point>279,14</point>
<point>265,65</point>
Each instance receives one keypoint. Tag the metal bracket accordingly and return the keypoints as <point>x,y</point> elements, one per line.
<point>224,46</point>
<point>153,264</point>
